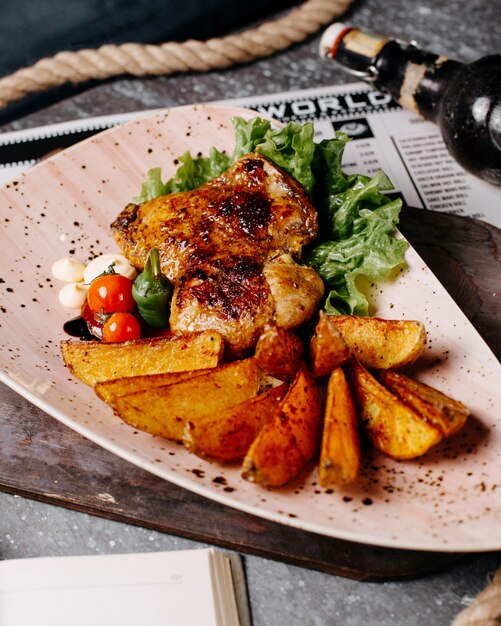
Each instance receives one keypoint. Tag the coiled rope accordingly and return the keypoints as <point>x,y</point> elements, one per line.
<point>168,58</point>
<point>485,610</point>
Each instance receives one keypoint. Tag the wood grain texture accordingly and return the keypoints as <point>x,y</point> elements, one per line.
<point>44,460</point>
<point>465,255</point>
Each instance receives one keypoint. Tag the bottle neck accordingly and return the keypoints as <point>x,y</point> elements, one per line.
<point>414,77</point>
<point>352,48</point>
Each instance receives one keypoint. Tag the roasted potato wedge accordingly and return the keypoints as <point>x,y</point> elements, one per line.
<point>444,413</point>
<point>328,349</point>
<point>340,450</point>
<point>227,434</point>
<point>289,440</point>
<point>279,352</point>
<point>379,343</point>
<point>95,361</point>
<point>111,390</point>
<point>164,410</point>
<point>394,428</point>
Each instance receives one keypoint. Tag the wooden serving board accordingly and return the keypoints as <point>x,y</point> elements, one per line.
<point>44,460</point>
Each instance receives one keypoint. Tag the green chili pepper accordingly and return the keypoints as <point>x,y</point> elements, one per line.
<point>153,292</point>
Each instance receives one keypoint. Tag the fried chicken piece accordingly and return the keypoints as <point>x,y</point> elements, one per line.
<point>229,249</point>
<point>296,290</point>
<point>229,294</point>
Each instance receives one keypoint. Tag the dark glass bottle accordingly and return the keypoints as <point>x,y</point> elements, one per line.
<point>463,100</point>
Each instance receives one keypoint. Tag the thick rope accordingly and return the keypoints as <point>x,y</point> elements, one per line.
<point>168,58</point>
<point>485,609</point>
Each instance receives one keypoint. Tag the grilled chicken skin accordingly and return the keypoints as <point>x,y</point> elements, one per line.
<point>229,247</point>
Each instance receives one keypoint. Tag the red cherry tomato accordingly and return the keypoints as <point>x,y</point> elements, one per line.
<point>121,327</point>
<point>94,325</point>
<point>111,293</point>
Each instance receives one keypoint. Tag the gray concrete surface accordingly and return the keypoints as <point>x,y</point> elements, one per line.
<point>279,594</point>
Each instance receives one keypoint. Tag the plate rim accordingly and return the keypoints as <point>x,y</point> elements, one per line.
<point>115,448</point>
<point>219,497</point>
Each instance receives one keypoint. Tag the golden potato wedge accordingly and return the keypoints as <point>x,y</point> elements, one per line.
<point>227,434</point>
<point>111,390</point>
<point>289,440</point>
<point>379,343</point>
<point>164,410</point>
<point>444,413</point>
<point>340,449</point>
<point>328,349</point>
<point>279,352</point>
<point>393,427</point>
<point>95,361</point>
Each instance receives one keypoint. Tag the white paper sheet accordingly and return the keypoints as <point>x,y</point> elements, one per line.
<point>152,589</point>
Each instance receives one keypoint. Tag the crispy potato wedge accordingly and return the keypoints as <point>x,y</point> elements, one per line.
<point>111,390</point>
<point>95,361</point>
<point>164,410</point>
<point>381,344</point>
<point>279,352</point>
<point>444,413</point>
<point>328,349</point>
<point>289,440</point>
<point>227,434</point>
<point>394,428</point>
<point>340,450</point>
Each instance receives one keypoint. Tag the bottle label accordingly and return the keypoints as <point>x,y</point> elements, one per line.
<point>351,47</point>
<point>412,78</point>
<point>415,74</point>
<point>361,44</point>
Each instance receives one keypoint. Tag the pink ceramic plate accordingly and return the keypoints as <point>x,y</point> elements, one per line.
<point>450,500</point>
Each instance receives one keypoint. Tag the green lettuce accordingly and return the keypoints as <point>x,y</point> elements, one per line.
<point>192,173</point>
<point>357,220</point>
<point>248,134</point>
<point>357,230</point>
<point>370,251</point>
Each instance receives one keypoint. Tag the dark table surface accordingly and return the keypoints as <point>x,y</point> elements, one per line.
<point>279,593</point>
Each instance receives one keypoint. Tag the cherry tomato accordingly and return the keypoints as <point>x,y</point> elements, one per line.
<point>94,325</point>
<point>121,327</point>
<point>111,293</point>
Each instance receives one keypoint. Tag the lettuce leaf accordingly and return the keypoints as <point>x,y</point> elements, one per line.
<point>248,134</point>
<point>291,148</point>
<point>152,187</point>
<point>357,221</point>
<point>357,226</point>
<point>370,251</point>
<point>192,173</point>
